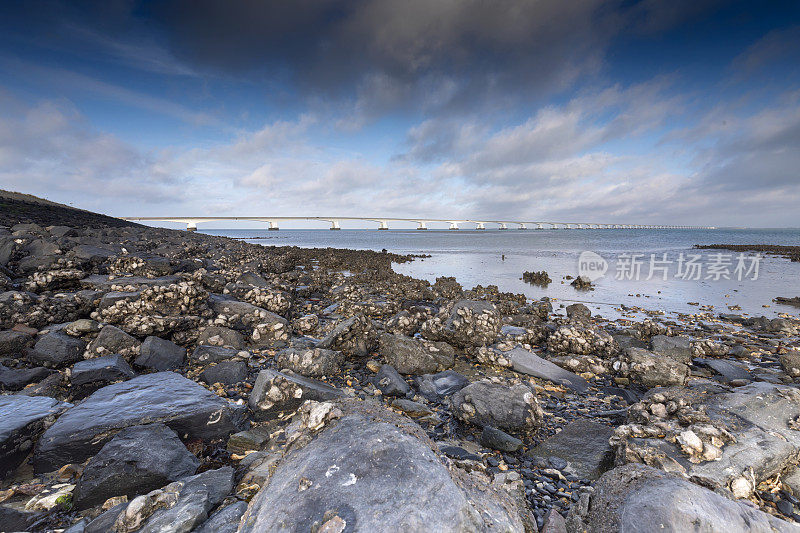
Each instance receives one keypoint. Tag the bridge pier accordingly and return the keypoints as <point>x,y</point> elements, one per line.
<point>335,225</point>
<point>479,225</point>
<point>383,225</point>
<point>503,225</point>
<point>453,225</point>
<point>191,226</point>
<point>422,225</point>
<point>273,225</point>
<point>522,226</point>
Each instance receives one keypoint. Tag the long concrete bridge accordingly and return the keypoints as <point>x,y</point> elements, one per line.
<point>422,223</point>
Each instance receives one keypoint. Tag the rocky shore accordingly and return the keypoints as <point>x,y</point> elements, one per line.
<point>157,380</point>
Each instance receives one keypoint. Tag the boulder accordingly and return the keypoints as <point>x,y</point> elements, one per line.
<point>205,354</point>
<point>376,472</point>
<point>226,372</point>
<point>279,395</point>
<point>578,312</point>
<point>160,354</point>
<point>225,520</point>
<point>584,445</point>
<point>56,349</point>
<point>436,387</point>
<point>677,348</point>
<point>187,408</point>
<point>529,363</point>
<point>14,343</point>
<point>498,439</point>
<point>137,460</point>
<point>655,370</point>
<point>499,405</point>
<point>22,420</point>
<point>14,379</point>
<point>310,362</point>
<point>91,374</point>
<point>354,337</point>
<point>466,324</point>
<point>412,356</point>
<point>221,336</point>
<point>790,362</point>
<point>727,371</point>
<point>112,340</point>
<point>390,382</point>
<point>639,498</point>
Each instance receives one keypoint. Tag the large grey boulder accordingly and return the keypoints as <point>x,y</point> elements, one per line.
<point>310,362</point>
<point>279,395</point>
<point>137,460</point>
<point>484,402</point>
<point>583,444</point>
<point>465,324</point>
<point>221,336</point>
<point>655,370</point>
<point>187,408</point>
<point>376,472</point>
<point>160,354</point>
<point>412,356</point>
<point>531,364</point>
<point>677,348</point>
<point>638,498</point>
<point>22,420</point>
<point>56,349</point>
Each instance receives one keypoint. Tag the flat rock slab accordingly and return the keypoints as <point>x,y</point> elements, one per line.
<point>729,371</point>
<point>21,421</point>
<point>531,364</point>
<point>583,444</point>
<point>183,405</point>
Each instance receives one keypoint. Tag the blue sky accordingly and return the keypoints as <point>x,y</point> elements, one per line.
<point>639,112</point>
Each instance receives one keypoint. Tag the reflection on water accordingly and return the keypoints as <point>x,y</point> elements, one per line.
<point>500,257</point>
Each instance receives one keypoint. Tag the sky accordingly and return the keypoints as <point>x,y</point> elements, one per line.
<point>608,111</point>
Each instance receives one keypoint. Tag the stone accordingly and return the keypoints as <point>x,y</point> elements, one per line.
<point>245,441</point>
<point>13,379</point>
<point>83,326</point>
<point>187,408</point>
<point>226,372</point>
<point>251,278</point>
<point>112,297</point>
<point>554,523</point>
<point>310,362</point>
<point>101,370</point>
<point>640,498</point>
<point>435,387</point>
<point>160,354</point>
<point>467,323</point>
<point>221,336</point>
<point>354,337</point>
<point>390,382</point>
<point>498,439</point>
<point>137,460</point>
<point>22,420</point>
<point>224,520</point>
<point>677,348</point>
<point>205,354</point>
<point>13,519</point>
<point>14,343</point>
<point>502,406</point>
<point>56,349</point>
<point>655,370</point>
<point>529,363</point>
<point>279,395</point>
<point>104,523</point>
<point>373,473</point>
<point>578,312</point>
<point>412,356</point>
<point>790,362</point>
<point>112,340</point>
<point>411,408</point>
<point>728,371</point>
<point>584,445</point>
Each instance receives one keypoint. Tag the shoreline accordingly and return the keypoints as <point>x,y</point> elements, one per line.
<point>522,409</point>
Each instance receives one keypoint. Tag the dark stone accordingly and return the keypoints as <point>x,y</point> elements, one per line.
<point>112,340</point>
<point>310,362</point>
<point>12,519</point>
<point>56,349</point>
<point>112,297</point>
<point>459,453</point>
<point>578,311</point>
<point>583,444</point>
<point>251,278</point>
<point>434,387</point>
<point>226,372</point>
<point>727,370</point>
<point>512,408</point>
<point>531,364</point>
<point>678,348</point>
<point>137,460</point>
<point>101,370</point>
<point>497,439</point>
<point>390,382</point>
<point>187,408</point>
<point>223,337</point>
<point>277,394</point>
<point>225,520</point>
<point>14,343</point>
<point>105,521</point>
<point>412,356</point>
<point>22,419</point>
<point>160,354</point>
<point>205,354</point>
<point>12,379</point>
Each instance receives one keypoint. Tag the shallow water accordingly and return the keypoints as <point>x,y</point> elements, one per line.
<point>476,257</point>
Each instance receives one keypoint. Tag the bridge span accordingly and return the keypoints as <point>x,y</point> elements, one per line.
<point>422,223</point>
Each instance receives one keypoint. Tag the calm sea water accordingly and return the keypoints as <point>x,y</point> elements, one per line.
<point>500,257</point>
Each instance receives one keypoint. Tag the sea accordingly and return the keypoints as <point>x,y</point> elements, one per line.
<point>633,270</point>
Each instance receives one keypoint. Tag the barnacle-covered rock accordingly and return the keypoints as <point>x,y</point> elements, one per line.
<point>306,324</point>
<point>355,336</point>
<point>509,407</point>
<point>582,340</point>
<point>464,324</point>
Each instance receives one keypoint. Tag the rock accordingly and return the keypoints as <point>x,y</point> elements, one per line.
<point>220,336</point>
<point>554,523</point>
<point>310,362</point>
<point>112,297</point>
<point>14,343</point>
<point>251,278</point>
<point>655,370</point>
<point>12,379</point>
<point>790,362</point>
<point>376,473</point>
<point>435,387</point>
<point>160,354</point>
<point>244,441</point>
<point>187,408</point>
<point>104,523</point>
<point>578,312</point>
<point>411,356</point>
<point>677,348</point>
<point>16,520</point>
<point>582,339</point>
<point>727,370</point>
<point>639,498</point>
<point>204,354</point>
<point>81,327</point>
<point>23,420</point>
<point>226,372</point>
<point>225,520</point>
<point>411,408</point>
<point>467,323</point>
<point>279,395</point>
<point>497,439</point>
<point>137,460</point>
<point>354,337</point>
<point>531,364</point>
<point>112,340</point>
<point>494,404</point>
<point>101,370</point>
<point>584,445</point>
<point>57,349</point>
<point>740,352</point>
<point>390,382</point>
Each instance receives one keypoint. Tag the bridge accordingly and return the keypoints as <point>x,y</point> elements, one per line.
<point>422,223</point>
